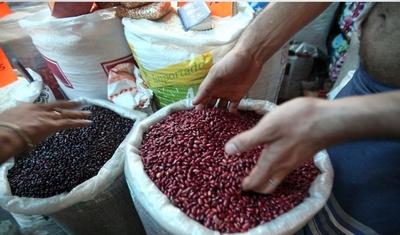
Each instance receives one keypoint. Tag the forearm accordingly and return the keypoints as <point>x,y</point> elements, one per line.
<point>275,25</point>
<point>362,117</point>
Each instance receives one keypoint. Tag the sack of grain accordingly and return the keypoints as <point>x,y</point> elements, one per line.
<point>76,175</point>
<point>80,50</point>
<point>174,62</point>
<point>189,186</point>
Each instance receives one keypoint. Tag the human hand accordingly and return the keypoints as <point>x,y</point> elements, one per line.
<point>228,81</point>
<point>41,120</point>
<point>293,133</point>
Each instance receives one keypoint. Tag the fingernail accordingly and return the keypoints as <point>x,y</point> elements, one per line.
<point>88,112</point>
<point>244,184</point>
<point>89,121</point>
<point>230,148</point>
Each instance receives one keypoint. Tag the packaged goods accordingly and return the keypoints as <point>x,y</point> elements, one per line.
<point>103,5</point>
<point>143,10</point>
<point>80,50</point>
<point>173,62</point>
<point>190,186</point>
<point>134,4</point>
<point>77,177</point>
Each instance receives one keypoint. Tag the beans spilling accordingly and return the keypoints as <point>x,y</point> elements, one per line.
<point>184,156</point>
<point>69,157</point>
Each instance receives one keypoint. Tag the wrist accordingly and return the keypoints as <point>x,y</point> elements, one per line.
<point>18,132</point>
<point>10,143</point>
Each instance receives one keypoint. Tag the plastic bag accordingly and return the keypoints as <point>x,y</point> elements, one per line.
<point>23,91</point>
<point>126,88</point>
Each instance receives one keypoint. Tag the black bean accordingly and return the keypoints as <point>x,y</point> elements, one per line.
<point>69,157</point>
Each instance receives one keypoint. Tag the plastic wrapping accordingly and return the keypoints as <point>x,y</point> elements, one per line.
<point>22,90</point>
<point>159,216</point>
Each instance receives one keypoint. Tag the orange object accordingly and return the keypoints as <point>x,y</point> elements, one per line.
<point>221,9</point>
<point>4,10</point>
<point>7,75</point>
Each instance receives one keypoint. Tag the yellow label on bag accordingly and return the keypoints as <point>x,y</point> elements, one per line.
<point>177,81</point>
<point>189,72</point>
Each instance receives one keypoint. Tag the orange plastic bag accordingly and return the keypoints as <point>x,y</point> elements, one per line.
<point>4,10</point>
<point>7,75</point>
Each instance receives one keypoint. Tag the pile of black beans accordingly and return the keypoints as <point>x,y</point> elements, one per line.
<point>69,157</point>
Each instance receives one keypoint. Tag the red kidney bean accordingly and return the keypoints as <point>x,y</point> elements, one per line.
<point>209,181</point>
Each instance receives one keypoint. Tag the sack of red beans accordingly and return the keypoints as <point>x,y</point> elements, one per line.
<point>182,182</point>
<point>75,177</point>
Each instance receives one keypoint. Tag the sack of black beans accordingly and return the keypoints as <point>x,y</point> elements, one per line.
<point>75,177</point>
<point>182,182</point>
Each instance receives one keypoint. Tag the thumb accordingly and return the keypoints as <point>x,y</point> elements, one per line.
<point>245,141</point>
<point>202,96</point>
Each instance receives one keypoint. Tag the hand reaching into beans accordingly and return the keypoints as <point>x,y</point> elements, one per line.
<point>229,81</point>
<point>290,139</point>
<point>28,124</point>
<point>295,131</point>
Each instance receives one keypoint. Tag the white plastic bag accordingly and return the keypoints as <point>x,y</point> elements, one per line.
<point>174,62</point>
<point>36,91</point>
<point>160,216</point>
<point>125,88</point>
<point>23,91</point>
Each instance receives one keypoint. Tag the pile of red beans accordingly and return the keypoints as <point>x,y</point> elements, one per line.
<point>184,156</point>
<point>69,157</point>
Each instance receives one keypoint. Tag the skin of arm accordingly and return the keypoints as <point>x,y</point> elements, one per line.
<point>231,78</point>
<point>38,121</point>
<point>295,131</point>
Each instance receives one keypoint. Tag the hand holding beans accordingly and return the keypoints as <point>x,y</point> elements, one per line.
<point>183,154</point>
<point>29,124</point>
<point>228,80</point>
<point>291,140</point>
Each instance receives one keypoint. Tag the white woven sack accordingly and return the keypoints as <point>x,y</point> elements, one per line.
<point>80,50</point>
<point>160,216</point>
<point>174,62</point>
<point>81,193</point>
